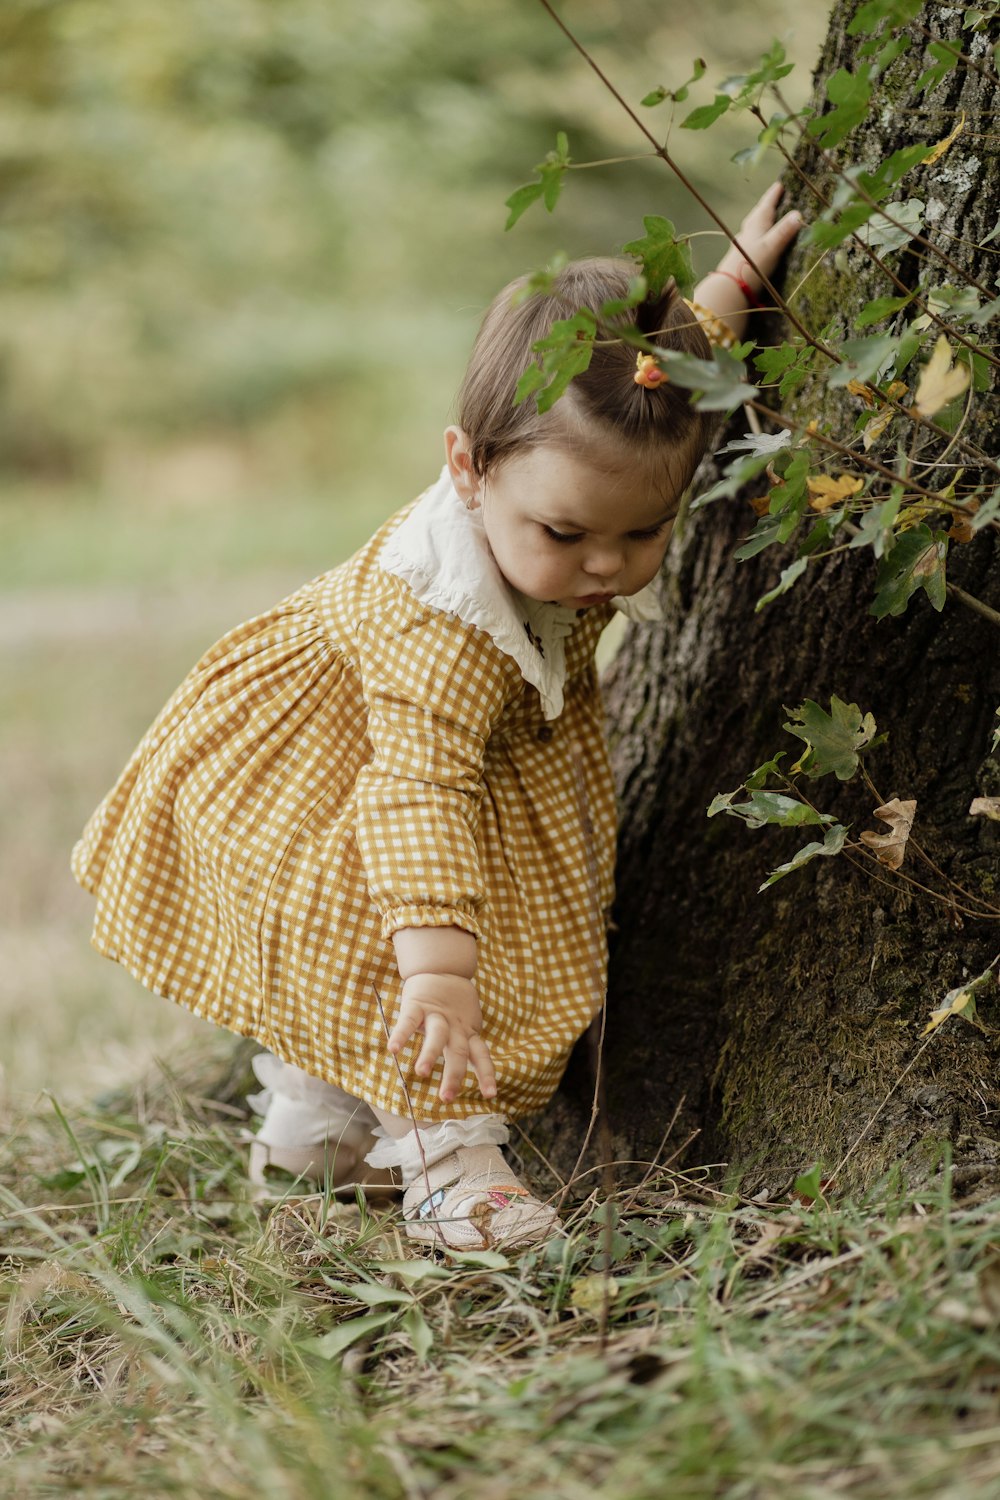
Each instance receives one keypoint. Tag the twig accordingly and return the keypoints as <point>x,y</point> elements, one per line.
<point>971,602</point>
<point>409,1107</point>
<point>599,1107</point>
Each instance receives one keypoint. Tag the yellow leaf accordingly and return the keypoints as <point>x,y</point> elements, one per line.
<point>936,152</point>
<point>986,807</point>
<point>955,1003</point>
<point>890,848</point>
<point>858,388</point>
<point>825,490</point>
<point>940,380</point>
<point>592,1293</point>
<point>875,426</point>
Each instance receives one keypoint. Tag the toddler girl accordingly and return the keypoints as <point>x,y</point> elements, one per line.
<point>374,828</point>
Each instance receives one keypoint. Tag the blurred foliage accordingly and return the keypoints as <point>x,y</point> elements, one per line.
<point>230,216</point>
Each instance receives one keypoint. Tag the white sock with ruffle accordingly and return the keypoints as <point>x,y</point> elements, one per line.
<point>426,1144</point>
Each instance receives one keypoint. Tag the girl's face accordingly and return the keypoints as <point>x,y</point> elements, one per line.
<point>563,530</point>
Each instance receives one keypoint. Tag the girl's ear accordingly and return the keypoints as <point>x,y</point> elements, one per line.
<point>460,466</point>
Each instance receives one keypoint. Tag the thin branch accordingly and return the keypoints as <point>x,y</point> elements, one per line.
<point>971,602</point>
<point>865,459</point>
<point>609,161</point>
<point>663,153</point>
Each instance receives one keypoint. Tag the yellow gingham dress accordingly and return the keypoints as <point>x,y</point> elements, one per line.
<point>368,756</point>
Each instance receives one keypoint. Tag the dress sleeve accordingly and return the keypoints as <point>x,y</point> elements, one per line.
<point>434,688</point>
<point>715,329</point>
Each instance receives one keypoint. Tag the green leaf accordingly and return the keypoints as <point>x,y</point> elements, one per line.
<point>752,155</point>
<point>863,359</point>
<point>879,308</point>
<point>789,576</point>
<point>849,93</point>
<point>330,1345</point>
<point>883,178</point>
<point>614,307</point>
<point>532,379</point>
<point>809,1185</point>
<point>418,1331</point>
<point>771,69</point>
<point>789,364</point>
<point>734,478</point>
<point>566,351</point>
<point>551,172</point>
<point>758,778</point>
<point>677,95</point>
<point>879,234</point>
<point>875,528</point>
<point>376,1295</point>
<point>987,313</point>
<point>761,808</point>
<point>832,739</point>
<point>995,742</point>
<point>414,1270</point>
<point>870,17</point>
<point>886,54</point>
<point>764,534</point>
<point>663,255</point>
<point>706,114</point>
<point>945,59</point>
<point>719,383</point>
<point>832,844</point>
<point>987,512</point>
<point>481,1260</point>
<point>916,561</point>
<point>773,362</point>
<point>520,200</point>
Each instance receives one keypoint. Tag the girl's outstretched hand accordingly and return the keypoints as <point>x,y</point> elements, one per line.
<point>764,239</point>
<point>445,1008</point>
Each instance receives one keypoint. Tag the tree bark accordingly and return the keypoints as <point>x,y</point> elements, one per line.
<point>782,1027</point>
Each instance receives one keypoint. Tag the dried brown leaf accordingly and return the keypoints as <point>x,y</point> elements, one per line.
<point>890,848</point>
<point>985,807</point>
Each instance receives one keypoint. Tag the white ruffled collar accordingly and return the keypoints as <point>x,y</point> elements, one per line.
<point>441,552</point>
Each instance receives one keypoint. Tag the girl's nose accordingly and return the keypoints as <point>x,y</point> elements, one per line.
<point>604,563</point>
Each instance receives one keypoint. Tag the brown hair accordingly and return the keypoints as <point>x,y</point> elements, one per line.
<point>605,400</point>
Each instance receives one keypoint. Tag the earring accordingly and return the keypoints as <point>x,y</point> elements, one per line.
<point>472,502</point>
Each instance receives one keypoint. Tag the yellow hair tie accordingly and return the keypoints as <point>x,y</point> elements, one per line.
<point>648,372</point>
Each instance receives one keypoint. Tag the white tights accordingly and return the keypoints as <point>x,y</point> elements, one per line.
<point>300,1110</point>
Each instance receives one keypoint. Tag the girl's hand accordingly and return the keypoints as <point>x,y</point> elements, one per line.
<point>445,1008</point>
<point>764,241</point>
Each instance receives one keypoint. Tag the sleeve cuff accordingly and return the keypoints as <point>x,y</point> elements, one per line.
<point>429,916</point>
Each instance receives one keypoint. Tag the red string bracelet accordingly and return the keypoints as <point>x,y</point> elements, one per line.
<point>748,293</point>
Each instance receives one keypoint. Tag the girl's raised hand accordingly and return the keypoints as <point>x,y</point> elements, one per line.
<point>445,1008</point>
<point>763,238</point>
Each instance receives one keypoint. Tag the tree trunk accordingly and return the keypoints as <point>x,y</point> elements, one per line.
<point>784,1027</point>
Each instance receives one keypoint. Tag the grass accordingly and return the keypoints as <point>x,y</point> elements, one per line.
<point>166,1335</point>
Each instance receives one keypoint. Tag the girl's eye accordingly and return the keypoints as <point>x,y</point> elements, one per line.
<point>562,536</point>
<point>649,533</point>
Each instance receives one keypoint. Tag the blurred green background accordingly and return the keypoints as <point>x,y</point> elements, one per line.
<point>244,246</point>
